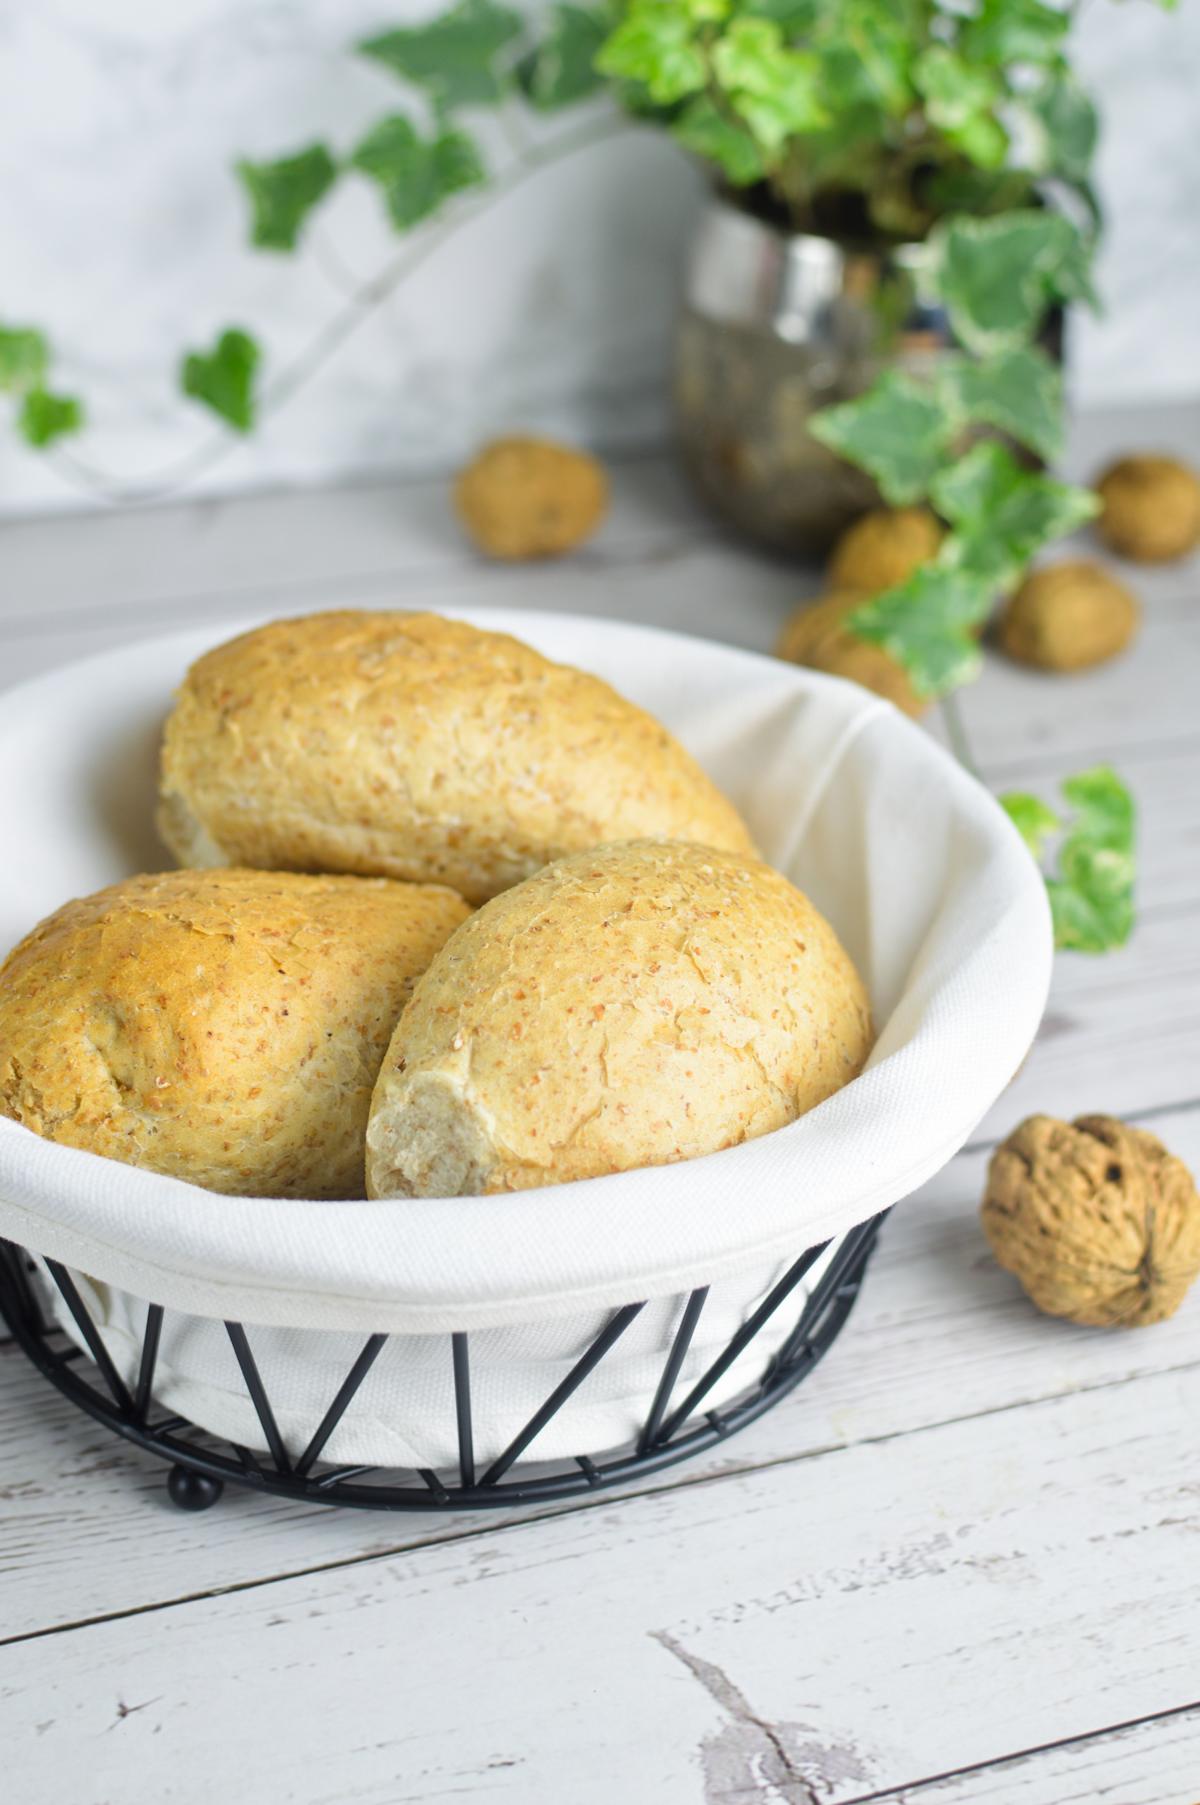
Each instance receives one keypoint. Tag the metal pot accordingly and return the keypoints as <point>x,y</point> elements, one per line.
<point>774,326</point>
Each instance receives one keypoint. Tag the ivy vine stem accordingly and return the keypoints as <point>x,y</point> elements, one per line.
<point>329,339</point>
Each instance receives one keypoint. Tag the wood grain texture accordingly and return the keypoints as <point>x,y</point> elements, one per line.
<point>851,1623</point>
<point>1153,1763</point>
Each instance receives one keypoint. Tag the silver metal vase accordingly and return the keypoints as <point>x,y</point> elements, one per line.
<point>774,326</point>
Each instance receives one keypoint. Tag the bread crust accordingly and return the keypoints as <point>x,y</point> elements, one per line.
<point>416,747</point>
<point>223,1027</point>
<point>628,1006</point>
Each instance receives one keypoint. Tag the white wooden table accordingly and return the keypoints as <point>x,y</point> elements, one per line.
<point>960,1564</point>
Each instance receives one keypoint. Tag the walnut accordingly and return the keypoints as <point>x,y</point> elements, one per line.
<point>815,636</point>
<point>1098,1221</point>
<point>1151,508</point>
<point>530,498</point>
<point>883,548</point>
<point>1066,616</point>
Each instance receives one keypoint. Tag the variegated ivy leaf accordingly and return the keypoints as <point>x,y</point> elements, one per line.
<point>707,132</point>
<point>655,45</point>
<point>283,193</point>
<point>959,100</point>
<point>416,174</point>
<point>1019,392</point>
<point>223,378</point>
<point>998,276</point>
<point>927,624</point>
<point>898,432</point>
<point>774,89</point>
<point>1068,128</point>
<point>1033,820</point>
<point>1002,514</point>
<point>1092,891</point>
<point>24,358</point>
<point>562,68</point>
<point>1005,32</point>
<point>453,57</point>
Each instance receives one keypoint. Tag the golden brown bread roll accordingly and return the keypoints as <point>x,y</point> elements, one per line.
<point>629,1006</point>
<point>411,746</point>
<point>224,1027</point>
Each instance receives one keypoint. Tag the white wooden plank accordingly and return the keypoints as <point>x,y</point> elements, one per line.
<point>828,1628</point>
<point>371,535</point>
<point>934,1301</point>
<point>1156,1763</point>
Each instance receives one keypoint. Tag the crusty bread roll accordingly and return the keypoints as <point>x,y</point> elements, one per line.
<point>416,747</point>
<point>225,1027</point>
<point>628,1006</point>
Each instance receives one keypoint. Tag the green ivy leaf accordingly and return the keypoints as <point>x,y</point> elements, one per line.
<point>45,417</point>
<point>1020,392</point>
<point>452,57</point>
<point>223,379</point>
<point>283,193</point>
<point>898,432</point>
<point>702,129</point>
<point>793,17</point>
<point>774,89</point>
<point>1002,513</point>
<point>882,44</point>
<point>24,358</point>
<point>562,68</point>
<point>926,624</point>
<point>1005,32</point>
<point>1068,125</point>
<point>655,46</point>
<point>1092,892</point>
<point>416,174</point>
<point>959,100</point>
<point>997,276</point>
<point>1032,819</point>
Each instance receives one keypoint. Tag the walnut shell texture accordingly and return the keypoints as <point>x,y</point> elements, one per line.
<point>1097,1220</point>
<point>883,548</point>
<point>817,637</point>
<point>1150,508</point>
<point>1067,616</point>
<point>530,498</point>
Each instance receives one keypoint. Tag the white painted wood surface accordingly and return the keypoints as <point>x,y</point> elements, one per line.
<point>957,1568</point>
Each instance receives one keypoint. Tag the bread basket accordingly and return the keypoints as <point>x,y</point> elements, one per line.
<point>460,1350</point>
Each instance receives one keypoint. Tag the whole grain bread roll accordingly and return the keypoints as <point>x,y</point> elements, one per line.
<point>629,1006</point>
<point>412,746</point>
<point>224,1027</point>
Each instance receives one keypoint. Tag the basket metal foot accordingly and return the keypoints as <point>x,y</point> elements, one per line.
<point>193,1491</point>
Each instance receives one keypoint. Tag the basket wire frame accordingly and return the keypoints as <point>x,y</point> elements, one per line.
<point>672,1431</point>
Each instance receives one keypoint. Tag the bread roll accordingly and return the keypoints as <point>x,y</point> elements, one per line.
<point>224,1027</point>
<point>630,1006</point>
<point>417,747</point>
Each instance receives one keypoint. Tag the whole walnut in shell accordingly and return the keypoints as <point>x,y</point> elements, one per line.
<point>1067,616</point>
<point>817,636</point>
<point>1150,508</point>
<point>530,498</point>
<point>883,548</point>
<point>1098,1221</point>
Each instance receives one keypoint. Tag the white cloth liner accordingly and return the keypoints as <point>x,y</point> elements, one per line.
<point>920,871</point>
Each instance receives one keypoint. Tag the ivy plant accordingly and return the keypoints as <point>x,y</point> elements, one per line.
<point>42,413</point>
<point>1091,877</point>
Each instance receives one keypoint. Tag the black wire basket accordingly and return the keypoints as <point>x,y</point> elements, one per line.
<point>201,1463</point>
